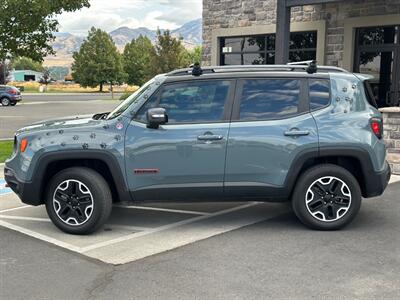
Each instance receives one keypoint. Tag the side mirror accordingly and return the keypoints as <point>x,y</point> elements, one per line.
<point>156,117</point>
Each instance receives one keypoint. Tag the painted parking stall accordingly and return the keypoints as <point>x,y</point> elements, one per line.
<point>3,189</point>
<point>137,231</point>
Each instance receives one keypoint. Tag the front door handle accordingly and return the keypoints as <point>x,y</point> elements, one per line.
<point>295,132</point>
<point>210,137</point>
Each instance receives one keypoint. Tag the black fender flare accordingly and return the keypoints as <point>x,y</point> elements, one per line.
<point>51,157</point>
<point>368,186</point>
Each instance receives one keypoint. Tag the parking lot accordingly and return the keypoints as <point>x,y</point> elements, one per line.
<point>137,231</point>
<point>234,250</point>
<point>41,107</point>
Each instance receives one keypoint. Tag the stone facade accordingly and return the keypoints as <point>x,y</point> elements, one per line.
<point>391,135</point>
<point>245,13</point>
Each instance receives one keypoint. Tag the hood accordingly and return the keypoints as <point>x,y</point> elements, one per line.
<point>60,123</point>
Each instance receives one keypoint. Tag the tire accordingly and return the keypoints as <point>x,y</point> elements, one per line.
<point>5,101</point>
<point>88,210</point>
<point>13,103</point>
<point>326,197</point>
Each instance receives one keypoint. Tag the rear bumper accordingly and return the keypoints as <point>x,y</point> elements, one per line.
<point>377,182</point>
<point>28,192</point>
<point>16,98</point>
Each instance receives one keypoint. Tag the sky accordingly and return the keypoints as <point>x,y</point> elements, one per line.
<point>112,14</point>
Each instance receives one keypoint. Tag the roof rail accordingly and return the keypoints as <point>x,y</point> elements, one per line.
<point>301,66</point>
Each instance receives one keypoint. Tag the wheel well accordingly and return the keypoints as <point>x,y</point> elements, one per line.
<point>95,164</point>
<point>349,163</point>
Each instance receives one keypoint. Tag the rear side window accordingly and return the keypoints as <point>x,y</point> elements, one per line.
<point>370,95</point>
<point>319,93</point>
<point>269,99</point>
<point>191,102</point>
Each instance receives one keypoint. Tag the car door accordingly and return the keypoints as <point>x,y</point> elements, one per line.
<point>185,158</point>
<point>271,125</point>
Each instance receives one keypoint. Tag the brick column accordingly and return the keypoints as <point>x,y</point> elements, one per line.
<point>391,135</point>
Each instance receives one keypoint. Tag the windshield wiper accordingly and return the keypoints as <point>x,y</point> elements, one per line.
<point>101,116</point>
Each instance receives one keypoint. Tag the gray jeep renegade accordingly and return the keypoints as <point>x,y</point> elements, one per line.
<point>311,135</point>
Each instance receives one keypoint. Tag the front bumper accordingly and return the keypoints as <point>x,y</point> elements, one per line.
<point>376,182</point>
<point>28,192</point>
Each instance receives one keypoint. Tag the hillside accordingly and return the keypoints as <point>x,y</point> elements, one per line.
<point>66,44</point>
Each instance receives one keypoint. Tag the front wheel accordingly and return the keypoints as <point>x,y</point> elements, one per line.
<point>78,200</point>
<point>326,197</point>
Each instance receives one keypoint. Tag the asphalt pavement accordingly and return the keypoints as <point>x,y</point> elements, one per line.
<point>35,108</point>
<point>275,259</point>
<point>29,97</point>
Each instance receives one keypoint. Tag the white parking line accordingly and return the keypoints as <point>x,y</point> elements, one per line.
<point>129,227</point>
<point>24,218</point>
<point>165,227</point>
<point>34,103</point>
<point>190,212</point>
<point>15,208</point>
<point>40,236</point>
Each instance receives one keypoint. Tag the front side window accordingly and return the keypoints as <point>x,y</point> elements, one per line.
<point>319,93</point>
<point>193,102</point>
<point>130,100</point>
<point>269,99</point>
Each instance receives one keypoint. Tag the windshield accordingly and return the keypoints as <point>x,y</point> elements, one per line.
<point>130,100</point>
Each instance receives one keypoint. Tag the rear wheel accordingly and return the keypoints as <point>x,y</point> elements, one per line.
<point>5,101</point>
<point>78,200</point>
<point>326,197</point>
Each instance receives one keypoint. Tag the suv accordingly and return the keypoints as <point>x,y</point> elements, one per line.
<point>9,95</point>
<point>259,133</point>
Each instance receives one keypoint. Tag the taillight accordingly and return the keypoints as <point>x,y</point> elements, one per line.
<point>13,92</point>
<point>377,127</point>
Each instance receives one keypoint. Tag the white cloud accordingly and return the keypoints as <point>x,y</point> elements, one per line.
<point>111,14</point>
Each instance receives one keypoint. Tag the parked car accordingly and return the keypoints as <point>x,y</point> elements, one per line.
<point>9,95</point>
<point>306,134</point>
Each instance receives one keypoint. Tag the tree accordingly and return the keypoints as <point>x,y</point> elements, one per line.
<point>98,61</point>
<point>169,53</point>
<point>25,63</point>
<point>46,77</point>
<point>26,27</point>
<point>195,55</point>
<point>137,60</point>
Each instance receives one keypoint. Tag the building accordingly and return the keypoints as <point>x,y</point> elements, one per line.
<point>358,35</point>
<point>25,75</point>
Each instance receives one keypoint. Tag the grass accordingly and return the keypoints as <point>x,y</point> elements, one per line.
<point>6,148</point>
<point>59,87</point>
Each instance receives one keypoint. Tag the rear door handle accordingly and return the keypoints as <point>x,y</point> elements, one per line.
<point>295,132</point>
<point>210,137</point>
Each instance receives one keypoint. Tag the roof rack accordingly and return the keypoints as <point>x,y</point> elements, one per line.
<point>308,66</point>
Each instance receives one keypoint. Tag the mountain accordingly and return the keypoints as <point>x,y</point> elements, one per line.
<point>124,35</point>
<point>66,43</point>
<point>191,32</point>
